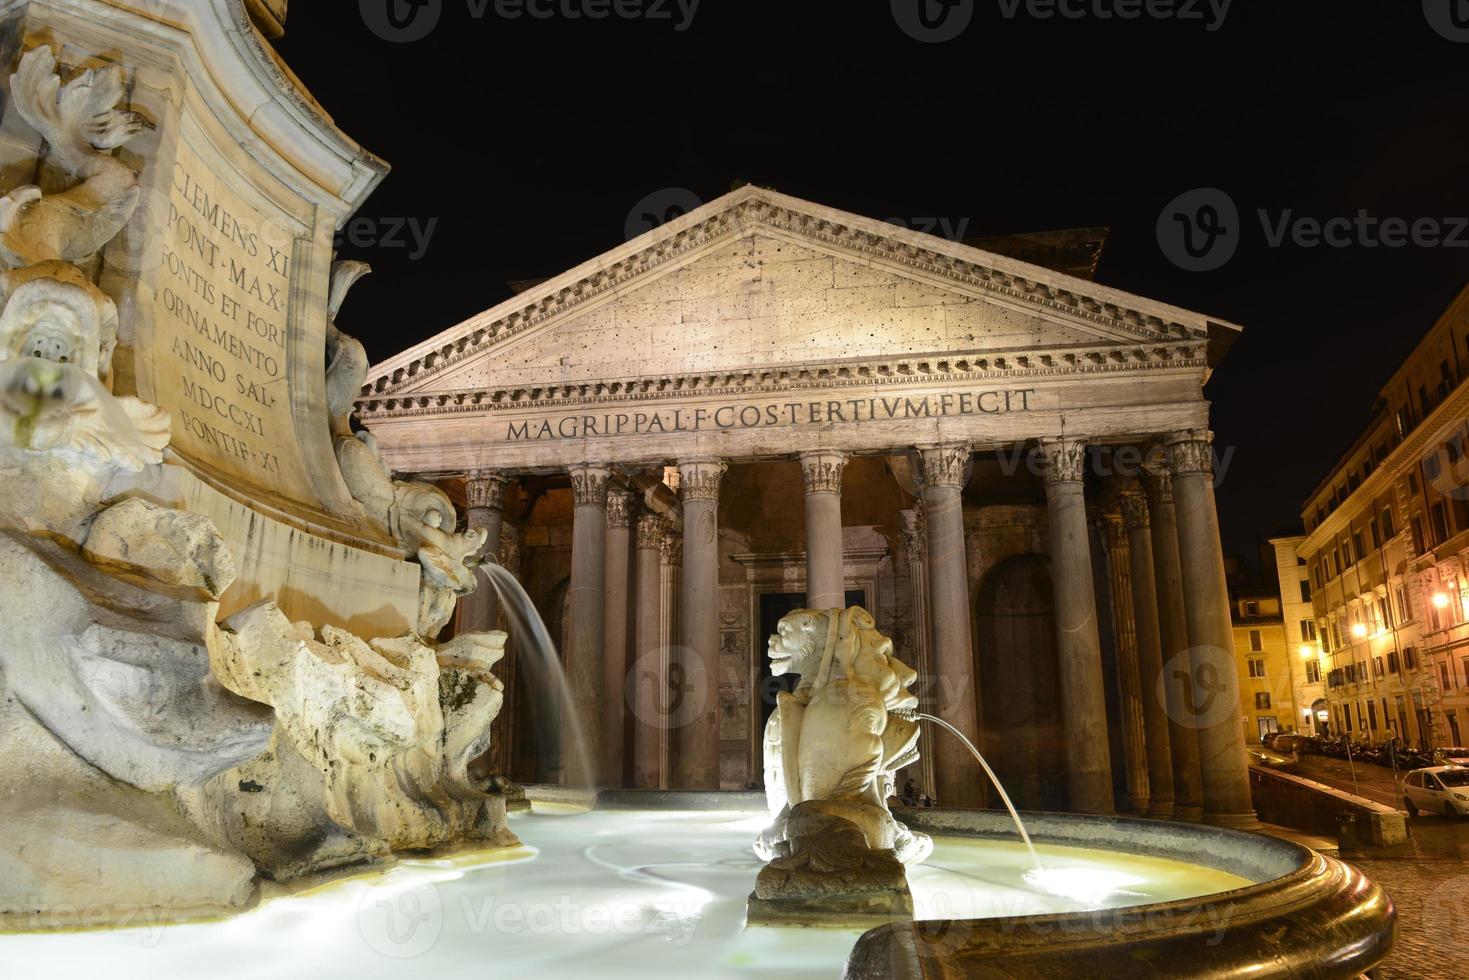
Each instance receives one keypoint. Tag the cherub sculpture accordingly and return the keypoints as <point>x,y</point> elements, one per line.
<point>831,751</point>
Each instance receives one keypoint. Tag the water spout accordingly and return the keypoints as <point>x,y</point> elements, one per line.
<point>529,630</point>
<point>1014,815</point>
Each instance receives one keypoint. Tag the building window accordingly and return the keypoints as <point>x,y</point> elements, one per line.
<point>1372,715</point>
<point>1419,544</point>
<point>1387,525</point>
<point>1252,608</point>
<point>1305,590</point>
<point>1256,640</point>
<point>1377,667</point>
<point>1308,631</point>
<point>1374,533</point>
<point>1439,522</point>
<point>1313,672</point>
<point>1357,548</point>
<point>1405,615</point>
<point>1257,667</point>
<point>1410,658</point>
<point>1443,678</point>
<point>1262,700</point>
<point>1392,662</point>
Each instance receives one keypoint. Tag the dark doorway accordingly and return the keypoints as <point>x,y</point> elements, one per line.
<point>1020,682</point>
<point>775,606</point>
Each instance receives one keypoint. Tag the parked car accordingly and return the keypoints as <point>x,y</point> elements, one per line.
<point>1452,755</point>
<point>1437,789</point>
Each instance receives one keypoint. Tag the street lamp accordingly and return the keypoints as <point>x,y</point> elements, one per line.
<point>1441,600</point>
<point>1359,630</point>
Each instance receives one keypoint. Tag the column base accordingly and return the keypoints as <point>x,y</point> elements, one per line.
<point>1161,810</point>
<point>1234,821</point>
<point>1188,814</point>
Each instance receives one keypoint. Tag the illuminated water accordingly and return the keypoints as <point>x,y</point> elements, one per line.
<point>613,893</point>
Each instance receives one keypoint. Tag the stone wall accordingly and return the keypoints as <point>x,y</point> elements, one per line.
<point>1315,808</point>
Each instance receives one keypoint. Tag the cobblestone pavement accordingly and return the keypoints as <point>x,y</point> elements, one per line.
<point>1428,877</point>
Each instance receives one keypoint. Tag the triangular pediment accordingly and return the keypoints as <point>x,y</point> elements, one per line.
<point>759,280</point>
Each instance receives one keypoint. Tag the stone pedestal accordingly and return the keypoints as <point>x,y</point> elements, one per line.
<point>944,471</point>
<point>1078,646</point>
<point>586,639</point>
<point>1188,793</point>
<point>1223,763</point>
<point>696,765</point>
<point>826,586</point>
<point>1150,655</point>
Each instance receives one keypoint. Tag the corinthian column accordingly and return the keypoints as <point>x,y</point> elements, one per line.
<point>647,680</point>
<point>696,765</point>
<point>944,470</point>
<point>1223,762</point>
<point>1188,793</point>
<point>1088,764</point>
<point>585,644</point>
<point>485,497</point>
<point>1134,742</point>
<point>1149,655</point>
<point>617,626</point>
<point>826,582</point>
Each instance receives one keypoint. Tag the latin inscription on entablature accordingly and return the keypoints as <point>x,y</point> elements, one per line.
<point>770,414</point>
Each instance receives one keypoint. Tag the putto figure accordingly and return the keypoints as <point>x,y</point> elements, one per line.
<point>832,750</point>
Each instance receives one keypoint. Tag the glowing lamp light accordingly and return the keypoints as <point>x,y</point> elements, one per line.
<point>1440,600</point>
<point>1359,630</point>
<point>1308,651</point>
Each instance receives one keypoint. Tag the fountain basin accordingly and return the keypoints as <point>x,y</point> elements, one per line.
<point>644,885</point>
<point>1301,914</point>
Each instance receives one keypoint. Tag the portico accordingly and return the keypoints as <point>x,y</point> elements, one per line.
<point>768,401</point>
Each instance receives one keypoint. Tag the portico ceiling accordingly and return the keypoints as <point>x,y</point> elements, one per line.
<point>761,324</point>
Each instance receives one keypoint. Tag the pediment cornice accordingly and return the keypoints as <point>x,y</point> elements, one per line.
<point>917,371</point>
<point>1113,315</point>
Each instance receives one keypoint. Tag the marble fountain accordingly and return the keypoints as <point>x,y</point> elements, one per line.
<point>234,743</point>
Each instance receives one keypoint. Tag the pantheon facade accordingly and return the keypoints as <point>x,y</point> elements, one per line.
<point>768,404</point>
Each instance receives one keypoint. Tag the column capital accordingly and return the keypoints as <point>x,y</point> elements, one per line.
<point>621,506</point>
<point>1115,528</point>
<point>915,533</point>
<point>1135,510</point>
<point>589,484</point>
<point>672,548</point>
<point>699,479</point>
<point>651,531</point>
<point>1065,459</point>
<point>1189,452</point>
<point>485,489</point>
<point>822,470</point>
<point>1158,482</point>
<point>944,465</point>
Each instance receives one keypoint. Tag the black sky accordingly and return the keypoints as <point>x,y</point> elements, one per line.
<point>529,141</point>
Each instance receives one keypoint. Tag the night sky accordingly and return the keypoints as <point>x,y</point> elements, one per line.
<point>527,142</point>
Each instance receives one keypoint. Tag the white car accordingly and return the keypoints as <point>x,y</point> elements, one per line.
<point>1438,789</point>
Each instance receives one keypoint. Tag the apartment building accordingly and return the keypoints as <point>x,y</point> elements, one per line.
<point>1386,554</point>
